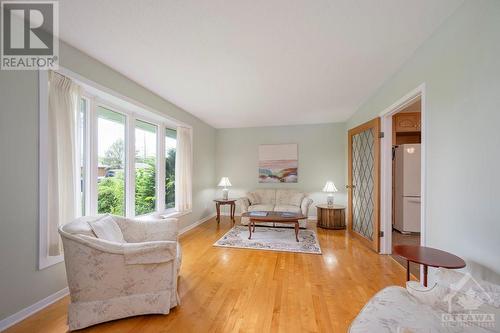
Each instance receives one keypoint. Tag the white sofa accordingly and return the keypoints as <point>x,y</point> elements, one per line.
<point>444,307</point>
<point>277,200</point>
<point>110,280</point>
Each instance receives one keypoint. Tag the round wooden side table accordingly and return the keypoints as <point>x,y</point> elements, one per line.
<point>331,217</point>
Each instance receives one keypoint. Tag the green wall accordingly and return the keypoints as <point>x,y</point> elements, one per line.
<point>460,66</point>
<point>21,284</point>
<point>321,157</point>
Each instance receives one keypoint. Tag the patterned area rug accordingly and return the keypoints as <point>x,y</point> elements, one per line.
<point>271,239</point>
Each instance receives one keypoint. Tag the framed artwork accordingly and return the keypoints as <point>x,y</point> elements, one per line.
<point>278,163</point>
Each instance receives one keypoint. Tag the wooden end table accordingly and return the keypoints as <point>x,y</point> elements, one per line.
<point>331,217</point>
<point>278,217</point>
<point>427,256</point>
<point>221,202</point>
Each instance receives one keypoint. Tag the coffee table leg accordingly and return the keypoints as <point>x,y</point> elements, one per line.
<point>407,270</point>
<point>425,275</point>
<point>297,231</point>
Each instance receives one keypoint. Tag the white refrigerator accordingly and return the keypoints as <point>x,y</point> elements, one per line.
<point>407,188</point>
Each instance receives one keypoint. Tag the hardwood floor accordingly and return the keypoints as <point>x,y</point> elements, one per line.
<point>237,290</point>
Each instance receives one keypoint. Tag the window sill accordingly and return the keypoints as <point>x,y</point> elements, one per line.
<point>174,214</point>
<point>169,213</point>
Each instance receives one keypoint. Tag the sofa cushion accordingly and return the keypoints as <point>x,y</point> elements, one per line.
<point>253,198</point>
<point>289,197</point>
<point>79,227</point>
<point>263,208</point>
<point>287,208</point>
<point>106,228</point>
<point>266,196</point>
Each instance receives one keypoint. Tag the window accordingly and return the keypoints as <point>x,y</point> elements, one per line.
<point>145,167</point>
<point>123,162</point>
<point>111,162</point>
<point>170,146</point>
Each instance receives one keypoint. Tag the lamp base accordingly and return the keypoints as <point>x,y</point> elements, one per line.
<point>329,200</point>
<point>225,194</point>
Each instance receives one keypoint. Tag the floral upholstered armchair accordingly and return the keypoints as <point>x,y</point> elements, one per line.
<point>111,279</point>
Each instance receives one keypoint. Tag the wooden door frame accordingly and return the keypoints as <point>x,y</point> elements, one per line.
<point>375,123</point>
<point>386,167</point>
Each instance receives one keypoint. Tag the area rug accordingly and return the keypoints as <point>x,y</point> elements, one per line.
<point>271,239</point>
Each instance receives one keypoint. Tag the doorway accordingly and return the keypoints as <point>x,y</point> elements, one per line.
<point>406,178</point>
<point>403,174</point>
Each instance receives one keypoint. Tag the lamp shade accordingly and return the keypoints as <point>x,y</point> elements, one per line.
<point>330,187</point>
<point>224,181</point>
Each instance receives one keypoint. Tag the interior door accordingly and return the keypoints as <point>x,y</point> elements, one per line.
<point>364,183</point>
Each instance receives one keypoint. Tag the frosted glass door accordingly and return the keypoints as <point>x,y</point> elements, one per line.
<point>364,173</point>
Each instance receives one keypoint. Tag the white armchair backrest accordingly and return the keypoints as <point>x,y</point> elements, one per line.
<point>80,226</point>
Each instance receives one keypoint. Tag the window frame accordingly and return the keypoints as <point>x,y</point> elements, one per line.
<point>94,100</point>
<point>131,119</point>
<point>164,134</point>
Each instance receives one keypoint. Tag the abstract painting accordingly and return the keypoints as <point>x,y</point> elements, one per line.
<point>278,163</point>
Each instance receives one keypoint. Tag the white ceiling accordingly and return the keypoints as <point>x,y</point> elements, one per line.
<point>255,63</point>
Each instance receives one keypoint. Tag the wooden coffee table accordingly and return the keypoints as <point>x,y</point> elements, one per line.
<point>427,256</point>
<point>278,217</point>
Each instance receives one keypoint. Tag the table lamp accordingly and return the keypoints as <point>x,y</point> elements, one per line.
<point>224,181</point>
<point>330,189</point>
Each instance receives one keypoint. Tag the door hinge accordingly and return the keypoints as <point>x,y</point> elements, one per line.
<point>381,135</point>
<point>381,234</point>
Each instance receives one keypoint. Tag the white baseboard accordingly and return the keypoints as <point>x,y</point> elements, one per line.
<point>197,223</point>
<point>32,309</point>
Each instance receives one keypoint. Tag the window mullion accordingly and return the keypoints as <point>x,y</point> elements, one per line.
<point>160,166</point>
<point>87,156</point>
<point>130,166</point>
<point>79,123</point>
<point>93,160</point>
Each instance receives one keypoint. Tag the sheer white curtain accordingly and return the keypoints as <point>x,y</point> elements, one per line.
<point>183,170</point>
<point>63,175</point>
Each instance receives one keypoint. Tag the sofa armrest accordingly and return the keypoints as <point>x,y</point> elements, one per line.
<point>304,206</point>
<point>148,229</point>
<point>244,203</point>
